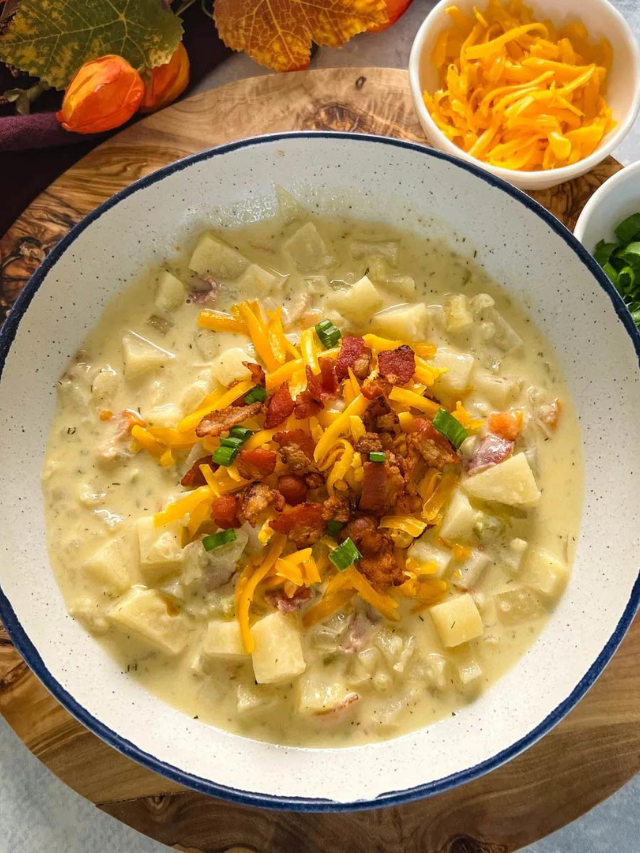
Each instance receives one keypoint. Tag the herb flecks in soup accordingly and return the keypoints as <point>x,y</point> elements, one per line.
<point>320,483</point>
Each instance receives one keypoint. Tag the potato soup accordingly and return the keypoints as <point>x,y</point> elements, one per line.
<point>316,481</point>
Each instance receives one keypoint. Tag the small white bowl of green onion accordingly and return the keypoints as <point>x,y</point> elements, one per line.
<point>609,228</point>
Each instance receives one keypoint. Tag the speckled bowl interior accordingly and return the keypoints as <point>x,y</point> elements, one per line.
<point>522,247</point>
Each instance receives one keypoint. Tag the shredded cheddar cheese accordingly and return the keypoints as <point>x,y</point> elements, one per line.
<point>146,440</point>
<point>413,400</point>
<point>519,93</point>
<point>406,523</point>
<point>247,586</point>
<point>220,402</point>
<point>309,351</point>
<point>251,313</point>
<point>277,340</point>
<point>340,425</point>
<point>219,322</point>
<point>463,417</point>
<point>186,504</point>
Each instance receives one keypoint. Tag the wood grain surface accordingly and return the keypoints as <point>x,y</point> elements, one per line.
<point>587,757</point>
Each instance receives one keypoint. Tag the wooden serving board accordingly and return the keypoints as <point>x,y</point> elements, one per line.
<point>594,751</point>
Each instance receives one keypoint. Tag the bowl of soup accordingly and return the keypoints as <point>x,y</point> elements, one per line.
<point>309,470</point>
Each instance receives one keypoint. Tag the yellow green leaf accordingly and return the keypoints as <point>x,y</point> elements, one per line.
<point>51,39</point>
<point>279,33</point>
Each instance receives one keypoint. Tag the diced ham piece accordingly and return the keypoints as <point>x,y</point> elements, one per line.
<point>492,451</point>
<point>382,486</point>
<point>293,489</point>
<point>355,635</point>
<point>256,464</point>
<point>257,499</point>
<point>335,714</point>
<point>303,524</point>
<point>397,365</point>
<point>353,354</point>
<point>279,407</point>
<point>279,599</point>
<point>206,294</point>
<point>224,511</point>
<point>296,449</point>
<point>436,450</point>
<point>194,476</point>
<point>218,422</point>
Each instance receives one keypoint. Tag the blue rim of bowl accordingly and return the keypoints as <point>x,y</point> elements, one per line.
<point>28,651</point>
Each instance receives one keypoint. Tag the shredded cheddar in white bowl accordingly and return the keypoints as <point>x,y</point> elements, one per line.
<point>533,93</point>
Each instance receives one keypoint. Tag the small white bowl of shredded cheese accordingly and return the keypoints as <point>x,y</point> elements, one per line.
<point>621,92</point>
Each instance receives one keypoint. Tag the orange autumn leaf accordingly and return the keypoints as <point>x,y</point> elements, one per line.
<point>279,33</point>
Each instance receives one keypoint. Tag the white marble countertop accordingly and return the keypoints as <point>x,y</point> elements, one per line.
<point>38,812</point>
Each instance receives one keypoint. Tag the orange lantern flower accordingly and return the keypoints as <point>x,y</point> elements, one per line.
<point>104,94</point>
<point>166,82</point>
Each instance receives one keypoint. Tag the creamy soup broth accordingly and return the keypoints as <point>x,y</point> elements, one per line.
<point>500,549</point>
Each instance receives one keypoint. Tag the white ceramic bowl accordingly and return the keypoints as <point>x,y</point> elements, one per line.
<point>616,199</point>
<point>386,180</point>
<point>623,86</point>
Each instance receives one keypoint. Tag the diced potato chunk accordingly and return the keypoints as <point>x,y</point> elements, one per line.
<point>469,573</point>
<point>160,549</point>
<point>379,273</point>
<point>289,207</point>
<point>406,322</point>
<point>499,391</point>
<point>467,670</point>
<point>223,640</point>
<point>424,552</point>
<point>257,281</point>
<point>145,613</point>
<point>459,518</point>
<point>250,699</point>
<point>517,605</point>
<point>307,249</point>
<point>214,258</point>
<point>167,415</point>
<point>458,370</point>
<point>387,249</point>
<point>321,691</point>
<point>510,482</point>
<point>228,367</point>
<point>457,315</point>
<point>360,301</point>
<point>140,355</point>
<point>544,573</point>
<point>170,292</point>
<point>514,554</point>
<point>278,653</point>
<point>110,566</point>
<point>457,620</point>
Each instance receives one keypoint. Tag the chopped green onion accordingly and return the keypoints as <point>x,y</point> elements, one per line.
<point>629,228</point>
<point>603,252</point>
<point>334,527</point>
<point>345,555</point>
<point>328,333</point>
<point>225,455</point>
<point>630,255</point>
<point>256,395</point>
<point>377,456</point>
<point>230,441</point>
<point>217,540</point>
<point>611,272</point>
<point>451,428</point>
<point>243,433</point>
<point>626,279</point>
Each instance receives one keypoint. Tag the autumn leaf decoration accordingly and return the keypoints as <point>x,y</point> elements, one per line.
<point>103,52</point>
<point>279,33</point>
<point>51,40</point>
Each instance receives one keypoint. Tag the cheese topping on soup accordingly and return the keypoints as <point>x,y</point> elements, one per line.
<point>319,482</point>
